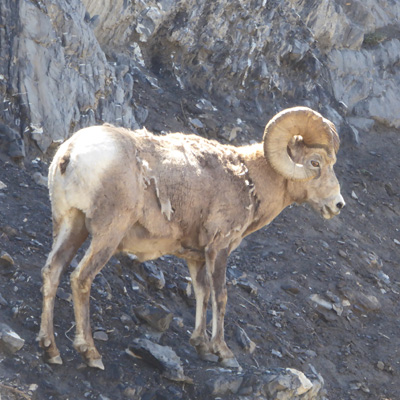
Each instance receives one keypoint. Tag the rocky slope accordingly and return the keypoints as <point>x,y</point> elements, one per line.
<point>66,65</point>
<point>318,297</point>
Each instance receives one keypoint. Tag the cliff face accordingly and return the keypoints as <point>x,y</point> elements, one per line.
<point>321,297</point>
<point>65,65</point>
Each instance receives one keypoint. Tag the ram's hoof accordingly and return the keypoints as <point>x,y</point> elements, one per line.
<point>230,363</point>
<point>95,363</point>
<point>54,360</point>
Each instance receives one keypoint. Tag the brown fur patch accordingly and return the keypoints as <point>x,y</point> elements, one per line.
<point>64,162</point>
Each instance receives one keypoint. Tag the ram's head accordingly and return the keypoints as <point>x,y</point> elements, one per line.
<point>301,145</point>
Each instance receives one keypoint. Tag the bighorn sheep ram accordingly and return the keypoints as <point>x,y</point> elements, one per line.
<point>184,195</point>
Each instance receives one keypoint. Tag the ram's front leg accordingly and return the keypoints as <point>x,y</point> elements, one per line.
<point>216,264</point>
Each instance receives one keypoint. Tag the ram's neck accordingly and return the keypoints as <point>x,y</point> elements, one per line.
<point>271,189</point>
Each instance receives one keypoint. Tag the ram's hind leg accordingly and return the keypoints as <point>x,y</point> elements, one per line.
<point>69,234</point>
<point>201,285</point>
<point>103,245</point>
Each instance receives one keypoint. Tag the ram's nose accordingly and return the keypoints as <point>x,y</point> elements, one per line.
<point>340,204</point>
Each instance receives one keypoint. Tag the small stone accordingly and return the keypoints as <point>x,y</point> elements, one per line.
<point>276,353</point>
<point>396,242</point>
<point>152,274</point>
<point>310,353</point>
<point>7,265</point>
<point>9,339</point>
<point>346,303</point>
<point>185,288</point>
<point>248,287</point>
<point>2,185</point>
<point>40,179</point>
<point>33,387</point>
<point>290,287</point>
<point>62,294</point>
<point>179,322</point>
<point>6,258</point>
<point>353,195</point>
<point>380,365</point>
<point>234,273</point>
<point>159,317</point>
<point>324,244</point>
<point>9,230</point>
<point>383,277</point>
<point>162,357</point>
<point>234,133</point>
<point>126,319</point>
<point>343,254</point>
<point>196,123</point>
<point>305,383</point>
<point>100,335</point>
<point>321,302</point>
<point>245,342</point>
<point>367,302</point>
<point>287,383</point>
<point>338,308</point>
<point>130,393</point>
<point>205,105</point>
<point>224,385</point>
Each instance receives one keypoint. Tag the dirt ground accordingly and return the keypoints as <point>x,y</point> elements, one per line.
<point>351,262</point>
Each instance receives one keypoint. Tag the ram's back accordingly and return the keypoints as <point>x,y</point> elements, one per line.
<point>182,188</point>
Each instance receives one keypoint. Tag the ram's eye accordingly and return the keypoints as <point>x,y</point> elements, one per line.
<point>315,164</point>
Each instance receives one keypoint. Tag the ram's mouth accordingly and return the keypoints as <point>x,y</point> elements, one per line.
<point>327,212</point>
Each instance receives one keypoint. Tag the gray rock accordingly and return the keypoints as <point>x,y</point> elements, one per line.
<point>224,385</point>
<point>40,179</point>
<point>152,274</point>
<point>248,287</point>
<point>158,317</point>
<point>62,294</point>
<point>289,384</point>
<point>196,123</point>
<point>100,335</point>
<point>290,287</point>
<point>367,302</point>
<point>126,319</point>
<point>245,342</point>
<point>317,299</point>
<point>185,288</point>
<point>6,259</point>
<point>7,264</point>
<point>280,383</point>
<point>162,357</point>
<point>380,365</point>
<point>10,340</point>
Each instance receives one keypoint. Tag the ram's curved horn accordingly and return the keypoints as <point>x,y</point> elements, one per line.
<point>315,130</point>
